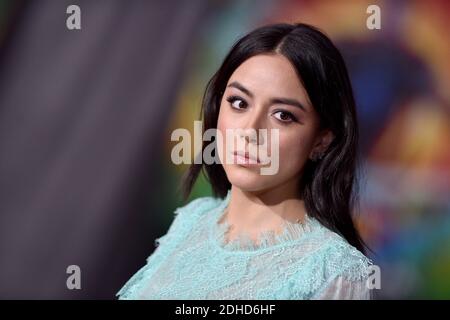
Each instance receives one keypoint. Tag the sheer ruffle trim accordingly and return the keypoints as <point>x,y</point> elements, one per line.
<point>290,232</point>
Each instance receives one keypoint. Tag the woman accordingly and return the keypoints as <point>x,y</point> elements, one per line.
<point>286,235</point>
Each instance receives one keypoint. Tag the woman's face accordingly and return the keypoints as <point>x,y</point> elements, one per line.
<point>264,92</point>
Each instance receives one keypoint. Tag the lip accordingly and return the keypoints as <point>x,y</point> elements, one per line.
<point>245,159</point>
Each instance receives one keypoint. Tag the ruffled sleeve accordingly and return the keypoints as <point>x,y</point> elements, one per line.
<point>347,276</point>
<point>331,269</point>
<point>341,288</point>
<point>185,218</point>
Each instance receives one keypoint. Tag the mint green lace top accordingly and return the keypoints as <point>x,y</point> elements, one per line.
<point>193,261</point>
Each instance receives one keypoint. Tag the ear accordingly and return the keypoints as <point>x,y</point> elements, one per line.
<point>322,142</point>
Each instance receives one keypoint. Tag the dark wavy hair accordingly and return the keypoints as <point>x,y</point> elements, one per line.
<point>328,185</point>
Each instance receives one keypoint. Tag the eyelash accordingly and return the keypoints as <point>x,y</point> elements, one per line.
<point>232,99</point>
<point>291,116</point>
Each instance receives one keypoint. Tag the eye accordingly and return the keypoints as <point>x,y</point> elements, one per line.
<point>237,102</point>
<point>284,116</point>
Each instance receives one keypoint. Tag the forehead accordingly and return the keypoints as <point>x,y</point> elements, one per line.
<point>272,74</point>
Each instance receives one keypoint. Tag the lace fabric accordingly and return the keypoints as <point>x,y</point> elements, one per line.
<point>193,261</point>
<point>290,232</point>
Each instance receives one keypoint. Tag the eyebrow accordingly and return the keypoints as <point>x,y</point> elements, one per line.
<point>278,100</point>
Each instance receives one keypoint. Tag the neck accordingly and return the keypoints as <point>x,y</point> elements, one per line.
<point>265,209</point>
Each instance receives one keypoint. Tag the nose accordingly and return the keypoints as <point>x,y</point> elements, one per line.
<point>251,131</point>
<point>250,135</point>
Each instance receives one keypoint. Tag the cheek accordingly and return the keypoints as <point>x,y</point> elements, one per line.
<point>227,120</point>
<point>224,121</point>
<point>294,150</point>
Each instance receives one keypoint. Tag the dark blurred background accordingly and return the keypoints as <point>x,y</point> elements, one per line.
<point>86,115</point>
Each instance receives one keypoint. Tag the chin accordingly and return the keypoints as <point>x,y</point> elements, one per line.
<point>247,179</point>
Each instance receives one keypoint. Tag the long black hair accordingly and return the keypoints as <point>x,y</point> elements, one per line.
<point>328,186</point>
